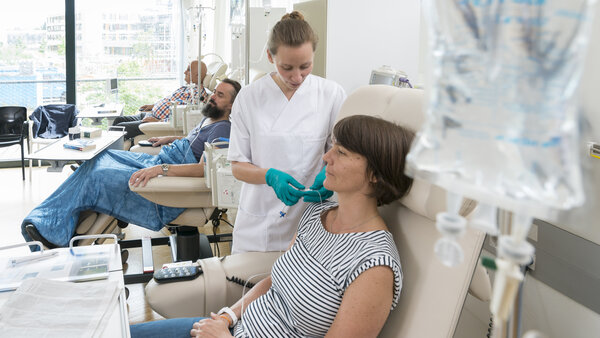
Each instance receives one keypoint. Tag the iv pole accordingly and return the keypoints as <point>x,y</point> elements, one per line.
<point>247,47</point>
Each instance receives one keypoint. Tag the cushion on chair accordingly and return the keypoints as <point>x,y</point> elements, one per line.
<point>193,217</point>
<point>100,226</point>
<point>86,220</point>
<point>210,291</point>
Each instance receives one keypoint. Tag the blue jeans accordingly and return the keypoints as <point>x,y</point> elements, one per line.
<point>168,328</point>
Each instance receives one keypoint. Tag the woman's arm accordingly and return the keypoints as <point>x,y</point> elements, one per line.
<point>366,304</point>
<point>258,290</point>
<point>248,172</point>
<point>216,326</point>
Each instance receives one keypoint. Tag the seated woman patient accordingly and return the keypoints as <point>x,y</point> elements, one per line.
<point>341,275</point>
<point>101,184</point>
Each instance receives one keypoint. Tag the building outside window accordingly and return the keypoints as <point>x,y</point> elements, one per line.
<point>133,41</point>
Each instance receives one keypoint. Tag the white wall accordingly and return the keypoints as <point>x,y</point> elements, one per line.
<point>364,35</point>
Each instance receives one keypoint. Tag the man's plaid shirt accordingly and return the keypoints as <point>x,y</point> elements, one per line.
<point>183,95</point>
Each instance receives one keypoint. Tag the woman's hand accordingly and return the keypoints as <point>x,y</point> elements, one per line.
<point>214,327</point>
<point>144,175</point>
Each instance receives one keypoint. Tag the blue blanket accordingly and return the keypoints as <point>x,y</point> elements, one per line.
<point>101,184</point>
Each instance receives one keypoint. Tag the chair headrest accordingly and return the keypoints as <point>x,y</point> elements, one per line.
<point>403,106</point>
<point>215,71</point>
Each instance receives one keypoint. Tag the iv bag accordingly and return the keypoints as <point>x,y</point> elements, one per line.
<point>501,122</point>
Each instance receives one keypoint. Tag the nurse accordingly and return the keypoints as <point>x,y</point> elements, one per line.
<point>281,127</point>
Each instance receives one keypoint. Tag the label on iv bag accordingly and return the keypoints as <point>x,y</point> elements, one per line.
<point>502,118</point>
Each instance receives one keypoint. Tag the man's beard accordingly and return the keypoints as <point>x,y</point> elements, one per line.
<point>211,110</point>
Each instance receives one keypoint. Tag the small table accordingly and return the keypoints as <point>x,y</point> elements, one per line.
<point>96,114</point>
<point>58,155</point>
<point>118,322</point>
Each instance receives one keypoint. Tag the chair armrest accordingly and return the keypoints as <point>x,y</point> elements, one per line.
<point>25,129</point>
<point>178,192</point>
<point>155,129</point>
<point>146,150</point>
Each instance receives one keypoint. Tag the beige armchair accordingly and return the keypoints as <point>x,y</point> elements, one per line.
<point>153,129</point>
<point>432,296</point>
<point>197,195</point>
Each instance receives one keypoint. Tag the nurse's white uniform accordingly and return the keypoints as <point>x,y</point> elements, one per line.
<point>269,131</point>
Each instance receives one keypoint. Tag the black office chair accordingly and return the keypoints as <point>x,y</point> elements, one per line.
<point>14,129</point>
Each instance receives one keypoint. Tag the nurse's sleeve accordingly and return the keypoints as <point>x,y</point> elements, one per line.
<point>239,143</point>
<point>338,99</point>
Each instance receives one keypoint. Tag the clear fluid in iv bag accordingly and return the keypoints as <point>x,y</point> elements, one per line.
<point>502,120</point>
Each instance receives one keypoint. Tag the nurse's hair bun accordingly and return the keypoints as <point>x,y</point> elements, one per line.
<point>295,15</point>
<point>292,30</point>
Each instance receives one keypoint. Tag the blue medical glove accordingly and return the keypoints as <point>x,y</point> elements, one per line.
<point>317,192</point>
<point>285,186</point>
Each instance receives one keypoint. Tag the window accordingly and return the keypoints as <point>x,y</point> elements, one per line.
<point>32,53</point>
<point>132,41</point>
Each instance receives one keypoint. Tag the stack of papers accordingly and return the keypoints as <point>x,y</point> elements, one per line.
<point>47,308</point>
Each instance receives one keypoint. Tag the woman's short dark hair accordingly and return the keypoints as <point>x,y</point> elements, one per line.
<point>384,145</point>
<point>292,30</point>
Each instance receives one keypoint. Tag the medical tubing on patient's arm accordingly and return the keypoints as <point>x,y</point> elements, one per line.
<point>191,142</point>
<point>248,283</point>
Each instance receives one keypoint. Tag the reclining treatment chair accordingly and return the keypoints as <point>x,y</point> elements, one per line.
<point>432,295</point>
<point>191,193</point>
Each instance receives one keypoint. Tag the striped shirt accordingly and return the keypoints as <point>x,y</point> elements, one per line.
<point>309,280</point>
<point>183,95</point>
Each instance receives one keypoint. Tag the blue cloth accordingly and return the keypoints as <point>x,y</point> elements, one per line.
<point>101,184</point>
<point>168,328</point>
<point>53,120</point>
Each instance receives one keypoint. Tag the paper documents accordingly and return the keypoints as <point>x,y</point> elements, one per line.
<point>47,308</point>
<point>57,264</point>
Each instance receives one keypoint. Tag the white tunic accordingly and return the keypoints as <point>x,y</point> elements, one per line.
<point>269,131</point>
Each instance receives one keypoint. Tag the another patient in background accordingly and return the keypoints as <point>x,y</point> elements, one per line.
<point>341,275</point>
<point>161,110</point>
<point>102,183</point>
